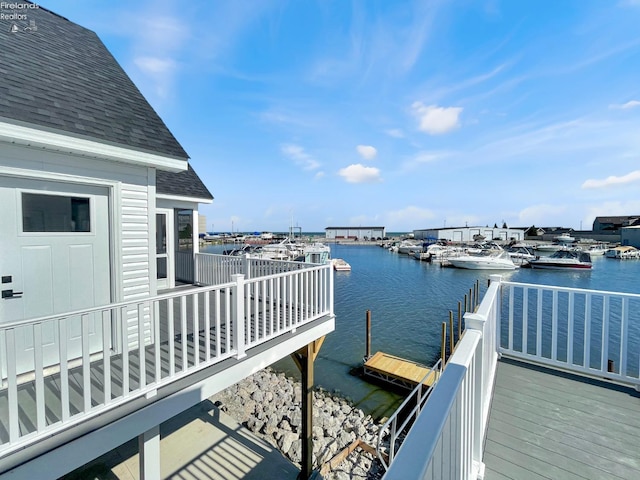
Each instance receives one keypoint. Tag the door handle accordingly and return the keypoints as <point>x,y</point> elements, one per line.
<point>11,294</point>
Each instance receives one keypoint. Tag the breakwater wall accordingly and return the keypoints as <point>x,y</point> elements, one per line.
<point>269,405</point>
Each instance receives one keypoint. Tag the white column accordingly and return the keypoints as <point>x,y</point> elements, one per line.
<point>149,454</point>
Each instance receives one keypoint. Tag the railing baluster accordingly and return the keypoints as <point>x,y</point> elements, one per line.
<point>12,386</point>
<point>124,331</point>
<point>184,339</point>
<point>86,362</point>
<point>142,357</point>
<point>227,320</point>
<point>38,365</point>
<point>525,320</point>
<point>539,324</point>
<point>196,329</point>
<point>207,326</point>
<point>605,334</point>
<point>64,369</point>
<point>510,323</point>
<point>157,359</point>
<point>106,355</point>
<point>216,297</point>
<point>624,335</point>
<point>570,328</point>
<point>587,331</point>
<point>554,326</point>
<point>171,334</point>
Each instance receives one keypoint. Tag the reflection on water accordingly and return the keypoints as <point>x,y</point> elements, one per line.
<point>409,300</point>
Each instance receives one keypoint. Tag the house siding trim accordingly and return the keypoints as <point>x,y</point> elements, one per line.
<point>32,137</point>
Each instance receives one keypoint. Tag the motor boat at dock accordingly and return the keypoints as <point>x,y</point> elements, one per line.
<point>563,260</point>
<point>489,260</point>
<point>340,265</point>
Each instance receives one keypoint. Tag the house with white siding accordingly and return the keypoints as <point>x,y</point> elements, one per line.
<point>98,224</point>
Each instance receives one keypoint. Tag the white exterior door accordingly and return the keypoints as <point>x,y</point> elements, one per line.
<point>54,258</point>
<point>165,265</point>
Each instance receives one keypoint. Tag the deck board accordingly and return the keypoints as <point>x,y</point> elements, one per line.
<point>557,425</point>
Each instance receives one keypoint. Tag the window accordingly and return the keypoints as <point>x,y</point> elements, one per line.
<point>185,230</point>
<point>55,213</point>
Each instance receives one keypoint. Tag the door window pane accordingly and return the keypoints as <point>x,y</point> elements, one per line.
<point>185,230</point>
<point>55,213</point>
<point>161,263</point>
<point>161,233</point>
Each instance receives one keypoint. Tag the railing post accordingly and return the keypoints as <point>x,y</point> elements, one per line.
<point>237,314</point>
<point>196,268</point>
<point>247,267</point>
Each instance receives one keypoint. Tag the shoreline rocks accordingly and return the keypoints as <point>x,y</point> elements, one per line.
<point>269,405</point>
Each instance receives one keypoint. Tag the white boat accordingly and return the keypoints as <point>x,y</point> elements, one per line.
<point>488,261</point>
<point>408,247</point>
<point>597,249</point>
<point>289,250</point>
<point>565,238</point>
<point>521,254</point>
<point>623,252</point>
<point>549,247</point>
<point>563,260</point>
<point>438,253</point>
<point>339,265</point>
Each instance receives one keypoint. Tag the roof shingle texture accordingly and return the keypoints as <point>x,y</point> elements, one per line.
<point>63,78</point>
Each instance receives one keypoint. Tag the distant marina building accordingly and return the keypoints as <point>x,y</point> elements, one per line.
<point>354,233</point>
<point>470,234</point>
<point>630,236</point>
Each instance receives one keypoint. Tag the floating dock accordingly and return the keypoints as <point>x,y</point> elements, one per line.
<point>398,371</point>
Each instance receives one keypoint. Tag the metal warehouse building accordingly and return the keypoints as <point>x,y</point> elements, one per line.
<point>354,233</point>
<point>467,234</point>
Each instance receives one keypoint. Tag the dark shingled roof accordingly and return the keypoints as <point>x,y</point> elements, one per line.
<point>62,78</point>
<point>186,184</point>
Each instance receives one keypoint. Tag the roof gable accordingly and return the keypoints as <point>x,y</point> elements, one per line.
<point>62,78</point>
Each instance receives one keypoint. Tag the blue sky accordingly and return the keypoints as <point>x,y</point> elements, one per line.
<point>403,114</point>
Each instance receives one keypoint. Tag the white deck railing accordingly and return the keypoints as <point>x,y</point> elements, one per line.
<point>588,332</point>
<point>213,269</point>
<point>116,357</point>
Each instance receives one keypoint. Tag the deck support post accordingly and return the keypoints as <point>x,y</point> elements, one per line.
<point>149,454</point>
<point>304,359</point>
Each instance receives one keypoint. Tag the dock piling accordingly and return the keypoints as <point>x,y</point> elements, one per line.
<point>443,346</point>
<point>367,353</point>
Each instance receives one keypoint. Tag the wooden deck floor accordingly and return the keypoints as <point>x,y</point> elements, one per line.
<point>550,425</point>
<point>397,370</point>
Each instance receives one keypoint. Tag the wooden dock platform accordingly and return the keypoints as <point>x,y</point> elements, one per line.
<point>398,371</point>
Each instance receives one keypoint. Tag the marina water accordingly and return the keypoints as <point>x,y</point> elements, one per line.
<point>409,300</point>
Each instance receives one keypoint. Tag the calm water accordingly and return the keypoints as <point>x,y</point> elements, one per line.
<point>408,301</point>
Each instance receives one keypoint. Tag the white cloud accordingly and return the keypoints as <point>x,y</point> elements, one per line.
<point>626,106</point>
<point>613,180</point>
<point>367,152</point>
<point>410,215</point>
<point>298,155</point>
<point>436,120</point>
<point>395,132</point>
<point>543,215</point>
<point>155,66</point>
<point>424,157</point>
<point>358,173</point>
